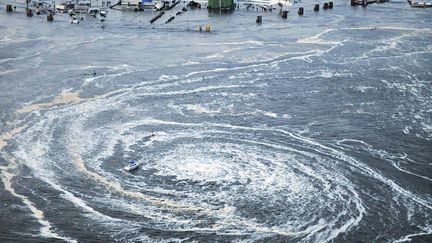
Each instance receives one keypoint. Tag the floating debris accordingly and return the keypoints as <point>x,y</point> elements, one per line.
<point>173,5</point>
<point>206,29</point>
<point>170,19</point>
<point>193,4</point>
<point>64,7</point>
<point>415,4</point>
<point>156,17</point>
<point>364,3</point>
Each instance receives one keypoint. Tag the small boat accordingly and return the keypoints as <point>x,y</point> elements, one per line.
<point>93,11</point>
<point>159,6</point>
<point>103,13</point>
<point>132,165</point>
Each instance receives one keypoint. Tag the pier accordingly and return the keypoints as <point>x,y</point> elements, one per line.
<point>78,9</point>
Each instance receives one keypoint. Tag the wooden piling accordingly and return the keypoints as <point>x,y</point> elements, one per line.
<point>325,6</point>
<point>316,8</point>
<point>300,11</point>
<point>170,19</point>
<point>284,14</point>
<point>259,19</point>
<point>9,8</point>
<point>50,17</point>
<point>29,12</point>
<point>330,5</point>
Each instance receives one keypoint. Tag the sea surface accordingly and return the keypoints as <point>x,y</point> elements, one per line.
<point>313,128</point>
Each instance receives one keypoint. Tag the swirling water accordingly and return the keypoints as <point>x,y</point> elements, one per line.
<point>315,128</point>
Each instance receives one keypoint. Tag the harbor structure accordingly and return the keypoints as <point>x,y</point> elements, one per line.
<point>222,5</point>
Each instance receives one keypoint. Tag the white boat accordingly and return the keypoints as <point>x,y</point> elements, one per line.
<point>132,165</point>
<point>159,6</point>
<point>103,13</point>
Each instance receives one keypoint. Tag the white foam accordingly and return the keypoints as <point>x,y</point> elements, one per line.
<point>197,108</point>
<point>425,231</point>
<point>246,166</point>
<point>216,55</point>
<point>188,63</point>
<point>287,116</point>
<point>364,89</point>
<point>267,113</point>
<point>407,129</point>
<point>250,42</point>
<point>46,229</point>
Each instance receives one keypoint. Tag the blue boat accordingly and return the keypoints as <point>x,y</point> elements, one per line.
<point>132,165</point>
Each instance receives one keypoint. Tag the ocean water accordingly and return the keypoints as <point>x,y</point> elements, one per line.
<point>311,129</point>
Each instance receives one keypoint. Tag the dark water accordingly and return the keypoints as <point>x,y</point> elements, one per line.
<point>314,128</point>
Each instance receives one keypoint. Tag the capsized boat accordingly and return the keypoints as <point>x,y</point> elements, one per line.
<point>132,165</point>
